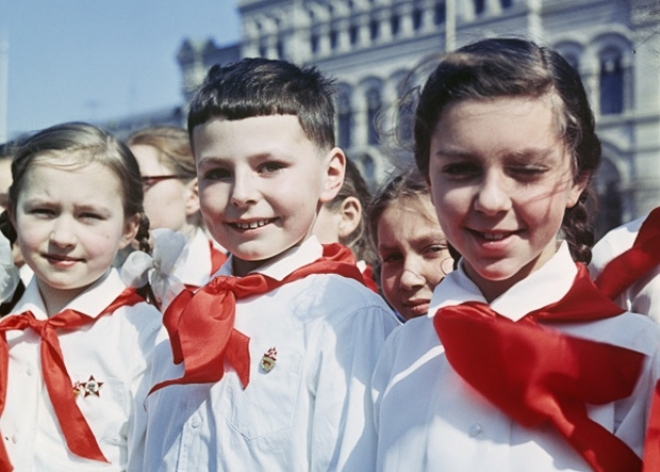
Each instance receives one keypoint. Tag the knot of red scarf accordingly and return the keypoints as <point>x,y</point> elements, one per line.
<point>536,374</point>
<point>201,324</point>
<point>78,435</point>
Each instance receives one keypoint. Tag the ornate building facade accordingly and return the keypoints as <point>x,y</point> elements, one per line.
<point>374,47</point>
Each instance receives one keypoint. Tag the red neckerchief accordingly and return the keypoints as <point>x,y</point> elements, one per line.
<point>618,275</point>
<point>628,267</point>
<point>535,374</point>
<point>77,433</point>
<point>206,318</point>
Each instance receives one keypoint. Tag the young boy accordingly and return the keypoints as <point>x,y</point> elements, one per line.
<point>283,383</point>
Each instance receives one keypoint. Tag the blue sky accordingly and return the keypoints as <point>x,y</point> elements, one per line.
<point>94,60</point>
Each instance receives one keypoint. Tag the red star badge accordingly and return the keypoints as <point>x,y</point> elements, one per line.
<point>91,387</point>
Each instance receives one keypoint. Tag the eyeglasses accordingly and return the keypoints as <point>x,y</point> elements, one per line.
<point>149,181</point>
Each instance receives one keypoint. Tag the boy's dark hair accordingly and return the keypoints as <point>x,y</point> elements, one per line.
<point>510,67</point>
<point>262,87</point>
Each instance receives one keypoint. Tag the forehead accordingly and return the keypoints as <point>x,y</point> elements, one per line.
<point>220,137</point>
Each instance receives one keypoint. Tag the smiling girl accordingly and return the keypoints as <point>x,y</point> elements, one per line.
<point>521,364</point>
<point>74,349</point>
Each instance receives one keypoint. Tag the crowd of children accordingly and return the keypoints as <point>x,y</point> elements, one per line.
<point>210,299</point>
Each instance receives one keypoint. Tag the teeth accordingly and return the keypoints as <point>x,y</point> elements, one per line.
<point>494,236</point>
<point>252,224</point>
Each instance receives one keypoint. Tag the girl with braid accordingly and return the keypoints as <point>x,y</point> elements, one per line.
<point>521,363</point>
<point>75,347</point>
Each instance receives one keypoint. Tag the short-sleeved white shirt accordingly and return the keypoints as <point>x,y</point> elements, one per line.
<point>428,418</point>
<point>114,351</point>
<point>309,413</point>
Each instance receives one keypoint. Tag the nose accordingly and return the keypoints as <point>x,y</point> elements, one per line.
<point>244,191</point>
<point>492,195</point>
<point>63,232</point>
<point>411,278</point>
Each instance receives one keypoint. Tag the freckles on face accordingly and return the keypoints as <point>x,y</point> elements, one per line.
<point>501,180</point>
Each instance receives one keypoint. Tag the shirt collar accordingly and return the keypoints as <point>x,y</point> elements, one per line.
<point>91,302</point>
<point>542,287</point>
<point>285,263</point>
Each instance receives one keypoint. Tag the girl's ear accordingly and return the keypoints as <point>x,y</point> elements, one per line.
<point>350,213</point>
<point>578,186</point>
<point>131,228</point>
<point>334,178</point>
<point>191,197</point>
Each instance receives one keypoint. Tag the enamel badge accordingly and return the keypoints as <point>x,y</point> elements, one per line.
<point>269,359</point>
<point>91,387</point>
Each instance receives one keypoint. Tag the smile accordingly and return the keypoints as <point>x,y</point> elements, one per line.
<point>251,224</point>
<point>494,236</point>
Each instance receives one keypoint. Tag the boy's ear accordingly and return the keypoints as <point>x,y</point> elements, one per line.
<point>334,178</point>
<point>350,216</point>
<point>130,231</point>
<point>192,197</point>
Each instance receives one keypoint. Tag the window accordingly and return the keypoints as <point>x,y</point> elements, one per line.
<point>479,6</point>
<point>506,3</point>
<point>374,29</point>
<point>353,34</point>
<point>314,43</point>
<point>345,118</point>
<point>373,107</point>
<point>611,82</point>
<point>395,24</point>
<point>439,13</point>
<point>417,19</point>
<point>333,39</point>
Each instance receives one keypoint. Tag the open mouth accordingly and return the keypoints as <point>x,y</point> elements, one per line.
<point>251,224</point>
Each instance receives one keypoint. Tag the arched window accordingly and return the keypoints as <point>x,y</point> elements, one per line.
<point>374,29</point>
<point>417,18</point>
<point>373,107</point>
<point>506,3</point>
<point>611,82</point>
<point>610,200</point>
<point>439,13</point>
<point>479,6</point>
<point>345,117</point>
<point>395,24</point>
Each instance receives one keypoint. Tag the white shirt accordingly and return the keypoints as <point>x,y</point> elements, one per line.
<point>309,413</point>
<point>194,268</point>
<point>644,295</point>
<point>113,350</point>
<point>428,418</point>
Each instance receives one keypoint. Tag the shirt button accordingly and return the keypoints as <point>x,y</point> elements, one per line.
<point>30,371</point>
<point>195,422</point>
<point>475,430</point>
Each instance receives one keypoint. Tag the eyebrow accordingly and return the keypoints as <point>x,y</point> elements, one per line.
<point>527,153</point>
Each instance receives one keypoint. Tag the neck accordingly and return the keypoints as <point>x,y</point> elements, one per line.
<point>55,299</point>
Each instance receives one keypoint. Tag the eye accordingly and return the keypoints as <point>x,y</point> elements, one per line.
<point>390,257</point>
<point>216,174</point>
<point>461,170</point>
<point>527,172</point>
<point>41,212</point>
<point>271,167</point>
<point>90,216</point>
<point>435,250</point>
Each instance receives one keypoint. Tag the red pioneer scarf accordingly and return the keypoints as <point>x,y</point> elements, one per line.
<point>77,433</point>
<point>536,374</point>
<point>206,318</point>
